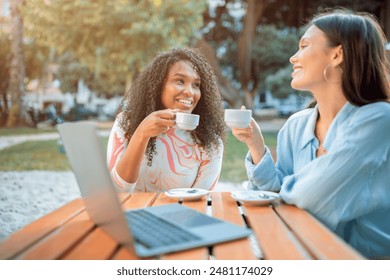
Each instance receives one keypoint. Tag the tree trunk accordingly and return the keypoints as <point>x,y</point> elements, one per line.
<point>16,83</point>
<point>228,92</point>
<point>254,11</point>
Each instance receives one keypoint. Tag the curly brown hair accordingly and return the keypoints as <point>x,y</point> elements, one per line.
<point>144,97</point>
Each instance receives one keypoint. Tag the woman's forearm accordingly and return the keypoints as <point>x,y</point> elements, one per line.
<point>128,166</point>
<point>257,151</point>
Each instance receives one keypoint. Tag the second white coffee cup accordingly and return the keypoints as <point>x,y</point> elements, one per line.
<point>238,118</point>
<point>187,121</point>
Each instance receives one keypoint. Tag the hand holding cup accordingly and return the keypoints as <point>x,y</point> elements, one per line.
<point>238,118</point>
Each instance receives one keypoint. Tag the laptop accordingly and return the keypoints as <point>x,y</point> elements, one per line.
<point>140,230</point>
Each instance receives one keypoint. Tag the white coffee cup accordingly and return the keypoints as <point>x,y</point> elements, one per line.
<point>238,118</point>
<point>187,121</point>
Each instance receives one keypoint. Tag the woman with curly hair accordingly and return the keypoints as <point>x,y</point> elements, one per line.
<point>146,152</point>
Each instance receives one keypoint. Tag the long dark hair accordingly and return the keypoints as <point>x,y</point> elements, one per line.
<point>144,97</point>
<point>365,68</point>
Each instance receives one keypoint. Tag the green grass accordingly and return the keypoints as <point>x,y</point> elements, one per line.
<point>46,155</point>
<point>34,155</point>
<point>233,165</point>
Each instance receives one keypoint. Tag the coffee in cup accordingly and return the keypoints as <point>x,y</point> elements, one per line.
<point>186,121</point>
<point>238,118</point>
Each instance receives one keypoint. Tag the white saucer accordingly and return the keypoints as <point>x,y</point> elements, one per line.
<point>254,197</point>
<point>183,194</point>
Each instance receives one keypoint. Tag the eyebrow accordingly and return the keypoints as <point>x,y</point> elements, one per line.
<point>184,76</point>
<point>303,39</point>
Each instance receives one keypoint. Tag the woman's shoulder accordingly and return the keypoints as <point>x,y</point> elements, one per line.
<point>380,107</point>
<point>117,125</point>
<point>378,110</point>
<point>372,119</point>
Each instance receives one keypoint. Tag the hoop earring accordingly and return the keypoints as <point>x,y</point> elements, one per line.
<point>326,76</point>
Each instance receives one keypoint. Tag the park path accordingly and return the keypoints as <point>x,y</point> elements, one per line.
<point>11,140</point>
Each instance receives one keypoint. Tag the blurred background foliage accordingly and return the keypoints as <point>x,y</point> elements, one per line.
<point>106,43</point>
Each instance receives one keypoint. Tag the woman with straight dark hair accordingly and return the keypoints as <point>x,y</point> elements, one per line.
<point>334,159</point>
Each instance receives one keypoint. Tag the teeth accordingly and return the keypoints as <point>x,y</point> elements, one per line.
<point>187,102</point>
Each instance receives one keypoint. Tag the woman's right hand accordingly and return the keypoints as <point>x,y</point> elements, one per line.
<point>253,138</point>
<point>157,123</point>
<point>154,124</point>
<point>250,134</point>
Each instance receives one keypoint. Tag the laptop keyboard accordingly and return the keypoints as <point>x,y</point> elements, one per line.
<point>151,231</point>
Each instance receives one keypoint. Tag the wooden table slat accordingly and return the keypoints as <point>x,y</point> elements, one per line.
<point>98,245</point>
<point>225,207</point>
<point>18,242</point>
<point>125,254</point>
<point>139,200</point>
<point>321,242</point>
<point>122,197</point>
<point>162,199</point>
<point>199,205</point>
<point>61,240</point>
<point>275,239</point>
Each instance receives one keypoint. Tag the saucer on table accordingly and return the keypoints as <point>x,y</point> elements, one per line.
<point>255,197</point>
<point>186,194</point>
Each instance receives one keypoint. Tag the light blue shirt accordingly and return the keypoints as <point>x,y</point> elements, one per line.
<point>348,188</point>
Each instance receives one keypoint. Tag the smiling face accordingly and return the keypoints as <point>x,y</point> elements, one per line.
<point>182,87</point>
<point>310,61</point>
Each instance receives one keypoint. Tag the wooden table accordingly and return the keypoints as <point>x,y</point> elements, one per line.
<point>281,231</point>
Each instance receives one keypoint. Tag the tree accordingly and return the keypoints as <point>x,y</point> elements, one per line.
<point>271,52</point>
<point>295,13</point>
<point>219,35</point>
<point>248,62</point>
<point>248,80</point>
<point>16,76</point>
<point>279,83</point>
<point>228,92</point>
<point>70,71</point>
<point>4,74</point>
<point>235,35</point>
<point>114,39</point>
<point>34,58</point>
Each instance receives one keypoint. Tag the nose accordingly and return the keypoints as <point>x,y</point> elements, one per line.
<point>189,90</point>
<point>293,59</point>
